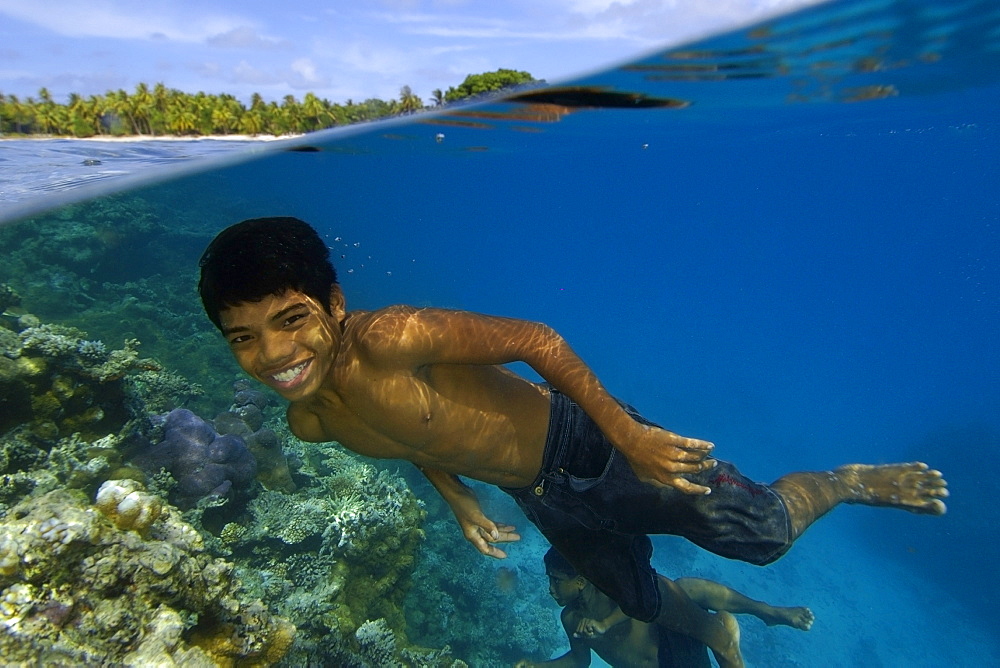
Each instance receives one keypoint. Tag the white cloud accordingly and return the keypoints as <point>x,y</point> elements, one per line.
<point>102,18</point>
<point>307,74</point>
<point>244,37</point>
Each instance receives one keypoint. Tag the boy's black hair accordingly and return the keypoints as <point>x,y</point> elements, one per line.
<point>556,563</point>
<point>264,256</point>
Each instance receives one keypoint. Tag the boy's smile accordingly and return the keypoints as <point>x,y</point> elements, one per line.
<point>285,341</point>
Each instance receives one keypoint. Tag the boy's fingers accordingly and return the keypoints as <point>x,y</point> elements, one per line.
<point>696,444</point>
<point>688,487</point>
<point>691,467</point>
<point>683,454</point>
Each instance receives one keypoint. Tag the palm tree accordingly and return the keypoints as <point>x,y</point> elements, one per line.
<point>312,111</point>
<point>252,123</point>
<point>142,108</point>
<point>408,101</point>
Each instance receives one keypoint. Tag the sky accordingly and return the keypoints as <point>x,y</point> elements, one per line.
<point>338,49</point>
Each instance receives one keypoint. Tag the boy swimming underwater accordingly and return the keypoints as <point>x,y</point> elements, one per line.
<point>592,621</point>
<point>427,385</point>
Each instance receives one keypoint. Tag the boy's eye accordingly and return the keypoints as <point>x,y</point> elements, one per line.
<point>239,339</point>
<point>292,319</point>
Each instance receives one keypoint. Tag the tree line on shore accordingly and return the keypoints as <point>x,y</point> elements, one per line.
<point>162,111</point>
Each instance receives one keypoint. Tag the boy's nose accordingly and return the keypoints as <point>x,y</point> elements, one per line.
<point>275,349</point>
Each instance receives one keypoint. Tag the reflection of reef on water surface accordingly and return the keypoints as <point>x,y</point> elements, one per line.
<point>308,561</point>
<point>123,268</point>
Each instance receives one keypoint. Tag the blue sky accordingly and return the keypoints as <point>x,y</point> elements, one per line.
<point>338,49</point>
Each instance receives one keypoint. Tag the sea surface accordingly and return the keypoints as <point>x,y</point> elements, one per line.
<point>785,240</point>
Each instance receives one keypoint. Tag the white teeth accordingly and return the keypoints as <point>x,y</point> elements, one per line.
<point>289,374</point>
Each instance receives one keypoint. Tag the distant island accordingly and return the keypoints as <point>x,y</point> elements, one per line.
<point>165,112</point>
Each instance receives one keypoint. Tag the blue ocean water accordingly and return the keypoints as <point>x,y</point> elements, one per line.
<point>802,264</point>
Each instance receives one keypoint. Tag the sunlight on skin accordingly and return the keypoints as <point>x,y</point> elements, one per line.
<point>911,486</point>
<point>415,383</point>
<point>426,385</point>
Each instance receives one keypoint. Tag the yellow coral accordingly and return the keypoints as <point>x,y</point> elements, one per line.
<point>221,641</point>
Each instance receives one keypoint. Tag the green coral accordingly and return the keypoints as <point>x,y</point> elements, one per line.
<point>335,554</point>
<point>70,406</point>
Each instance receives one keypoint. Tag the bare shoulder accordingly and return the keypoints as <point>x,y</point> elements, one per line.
<point>304,423</point>
<point>389,334</point>
<point>380,325</point>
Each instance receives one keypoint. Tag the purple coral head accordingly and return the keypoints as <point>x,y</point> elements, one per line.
<point>248,397</point>
<point>203,462</point>
<point>225,448</point>
<point>210,480</point>
<point>184,424</point>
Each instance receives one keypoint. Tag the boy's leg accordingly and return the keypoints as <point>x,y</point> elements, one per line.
<point>911,486</point>
<point>715,596</point>
<point>618,565</point>
<point>720,632</point>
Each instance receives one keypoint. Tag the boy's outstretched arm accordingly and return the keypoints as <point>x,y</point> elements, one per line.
<point>440,336</point>
<point>478,529</point>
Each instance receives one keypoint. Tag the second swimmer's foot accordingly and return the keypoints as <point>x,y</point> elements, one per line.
<point>799,618</point>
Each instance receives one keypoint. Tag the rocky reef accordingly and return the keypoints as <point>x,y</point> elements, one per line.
<point>75,589</point>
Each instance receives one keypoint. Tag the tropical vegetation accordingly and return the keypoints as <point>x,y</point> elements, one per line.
<point>159,111</point>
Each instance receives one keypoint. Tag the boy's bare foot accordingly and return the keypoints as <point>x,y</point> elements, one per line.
<point>732,658</point>
<point>911,486</point>
<point>799,618</point>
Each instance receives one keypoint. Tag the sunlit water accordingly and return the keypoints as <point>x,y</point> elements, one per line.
<point>802,264</point>
<point>32,168</point>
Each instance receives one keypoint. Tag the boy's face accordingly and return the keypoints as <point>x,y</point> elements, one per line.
<point>564,588</point>
<point>286,341</point>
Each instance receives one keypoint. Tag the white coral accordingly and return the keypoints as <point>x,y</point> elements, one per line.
<point>128,505</point>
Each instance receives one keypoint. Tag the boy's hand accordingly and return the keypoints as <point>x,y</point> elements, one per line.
<point>589,628</point>
<point>658,457</point>
<point>483,532</point>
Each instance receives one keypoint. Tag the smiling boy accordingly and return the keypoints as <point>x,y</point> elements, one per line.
<point>427,385</point>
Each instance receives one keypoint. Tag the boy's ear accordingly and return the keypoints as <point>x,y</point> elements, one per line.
<point>338,305</point>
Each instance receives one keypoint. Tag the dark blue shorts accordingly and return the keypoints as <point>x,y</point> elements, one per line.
<point>593,509</point>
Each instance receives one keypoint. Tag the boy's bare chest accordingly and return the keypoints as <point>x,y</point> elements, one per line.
<point>399,416</point>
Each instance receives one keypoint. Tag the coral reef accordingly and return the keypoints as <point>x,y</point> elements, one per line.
<point>490,613</point>
<point>124,265</point>
<point>77,590</point>
<point>329,543</point>
<point>69,406</point>
<point>334,556</point>
<point>245,418</point>
<point>203,462</point>
<point>8,297</point>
